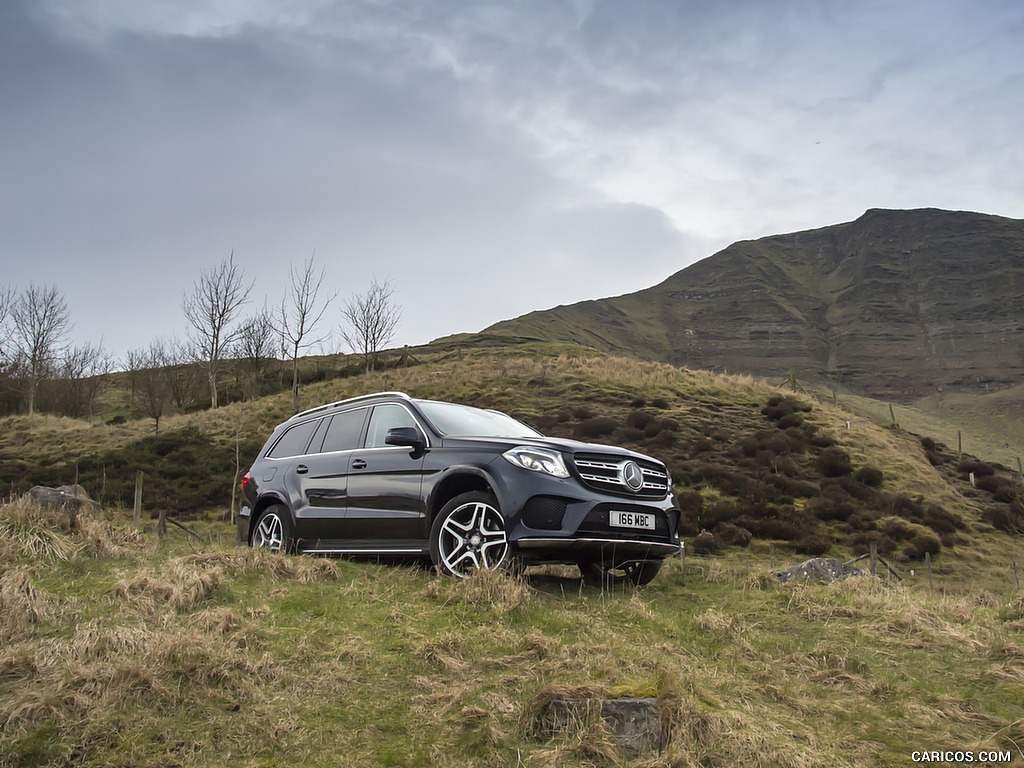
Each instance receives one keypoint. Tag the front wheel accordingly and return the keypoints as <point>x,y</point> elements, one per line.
<point>468,534</point>
<point>635,572</point>
<point>274,530</point>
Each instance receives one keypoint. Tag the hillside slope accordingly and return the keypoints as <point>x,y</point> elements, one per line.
<point>895,304</point>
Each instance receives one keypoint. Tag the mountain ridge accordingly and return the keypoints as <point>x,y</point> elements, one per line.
<point>894,304</point>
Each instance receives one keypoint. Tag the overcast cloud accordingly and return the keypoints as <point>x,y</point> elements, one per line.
<point>492,158</point>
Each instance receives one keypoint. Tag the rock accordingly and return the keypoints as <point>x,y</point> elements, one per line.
<point>633,724</point>
<point>823,569</point>
<point>71,499</point>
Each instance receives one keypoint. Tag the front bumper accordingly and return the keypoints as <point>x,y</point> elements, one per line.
<point>558,520</point>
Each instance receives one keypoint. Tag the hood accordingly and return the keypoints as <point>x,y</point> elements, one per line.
<point>563,444</point>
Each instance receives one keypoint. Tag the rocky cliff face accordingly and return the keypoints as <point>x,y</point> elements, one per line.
<point>895,304</point>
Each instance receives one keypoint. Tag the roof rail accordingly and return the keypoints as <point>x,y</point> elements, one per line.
<point>353,400</point>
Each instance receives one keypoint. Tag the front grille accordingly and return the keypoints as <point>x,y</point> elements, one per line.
<point>603,472</point>
<point>544,512</point>
<point>596,524</point>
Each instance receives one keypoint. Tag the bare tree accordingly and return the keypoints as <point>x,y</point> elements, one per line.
<point>133,362</point>
<point>372,319</point>
<point>40,325</point>
<point>153,383</point>
<point>211,307</point>
<point>9,394</point>
<point>255,348</point>
<point>7,297</point>
<point>83,372</point>
<point>183,375</point>
<point>300,314</point>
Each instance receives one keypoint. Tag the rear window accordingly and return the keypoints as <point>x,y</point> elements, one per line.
<point>294,441</point>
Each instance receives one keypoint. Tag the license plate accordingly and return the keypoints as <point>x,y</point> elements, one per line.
<point>621,519</point>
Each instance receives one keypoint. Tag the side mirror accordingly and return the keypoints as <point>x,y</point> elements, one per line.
<point>407,436</point>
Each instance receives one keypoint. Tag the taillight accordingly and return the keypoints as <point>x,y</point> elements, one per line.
<point>245,481</point>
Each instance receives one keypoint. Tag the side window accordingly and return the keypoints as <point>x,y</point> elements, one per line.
<point>294,441</point>
<point>344,430</point>
<point>386,417</point>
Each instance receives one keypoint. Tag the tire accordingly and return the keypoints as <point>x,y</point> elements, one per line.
<point>469,534</point>
<point>635,572</point>
<point>274,530</point>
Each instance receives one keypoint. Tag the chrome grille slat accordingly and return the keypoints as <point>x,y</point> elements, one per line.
<point>604,474</point>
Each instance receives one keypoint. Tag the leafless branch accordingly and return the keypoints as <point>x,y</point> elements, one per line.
<point>372,320</point>
<point>210,309</point>
<point>301,312</point>
<point>40,324</point>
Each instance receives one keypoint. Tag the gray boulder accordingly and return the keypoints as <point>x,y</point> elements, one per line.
<point>71,499</point>
<point>821,569</point>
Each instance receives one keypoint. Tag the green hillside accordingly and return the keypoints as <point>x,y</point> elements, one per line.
<point>120,649</point>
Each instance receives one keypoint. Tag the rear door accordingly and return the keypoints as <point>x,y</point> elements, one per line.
<point>385,504</point>
<point>322,478</point>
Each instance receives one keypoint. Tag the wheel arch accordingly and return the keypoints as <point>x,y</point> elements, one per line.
<point>262,505</point>
<point>459,480</point>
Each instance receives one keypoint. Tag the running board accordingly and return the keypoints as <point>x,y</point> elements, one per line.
<point>366,551</point>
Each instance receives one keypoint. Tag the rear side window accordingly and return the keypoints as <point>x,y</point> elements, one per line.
<point>344,431</point>
<point>294,441</point>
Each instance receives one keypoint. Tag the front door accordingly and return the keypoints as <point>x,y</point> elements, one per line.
<point>385,506</point>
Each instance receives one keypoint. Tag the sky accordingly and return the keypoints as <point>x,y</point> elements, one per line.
<point>490,158</point>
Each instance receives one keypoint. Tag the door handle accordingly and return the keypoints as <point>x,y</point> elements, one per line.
<point>301,469</point>
<point>358,464</point>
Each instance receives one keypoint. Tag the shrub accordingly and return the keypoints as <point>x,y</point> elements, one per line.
<point>704,543</point>
<point>653,429</point>
<point>597,426</point>
<point>632,434</point>
<point>660,403</point>
<point>920,545</point>
<point>979,468</point>
<point>1005,517</point>
<point>942,521</point>
<point>861,542</point>
<point>582,412</point>
<point>791,420</point>
<point>720,513</point>
<point>638,402</point>
<point>827,508</point>
<point>732,535</point>
<point>639,419</point>
<point>813,543</point>
<point>834,462</point>
<point>897,529</point>
<point>869,476</point>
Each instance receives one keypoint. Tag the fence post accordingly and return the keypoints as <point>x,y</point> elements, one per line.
<point>161,524</point>
<point>1016,575</point>
<point>892,415</point>
<point>771,552</point>
<point>137,509</point>
<point>682,557</point>
<point>959,444</point>
<point>873,553</point>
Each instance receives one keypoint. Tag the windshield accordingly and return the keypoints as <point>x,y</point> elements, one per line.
<point>464,421</point>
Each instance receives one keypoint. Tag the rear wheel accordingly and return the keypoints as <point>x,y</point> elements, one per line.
<point>274,530</point>
<point>634,572</point>
<point>468,534</point>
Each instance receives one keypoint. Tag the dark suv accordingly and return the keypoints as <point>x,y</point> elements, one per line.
<point>385,474</point>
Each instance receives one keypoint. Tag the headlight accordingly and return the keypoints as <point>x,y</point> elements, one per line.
<point>537,460</point>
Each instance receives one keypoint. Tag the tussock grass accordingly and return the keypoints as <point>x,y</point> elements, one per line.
<point>497,591</point>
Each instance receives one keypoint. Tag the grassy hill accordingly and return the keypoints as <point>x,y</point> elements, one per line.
<point>119,649</point>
